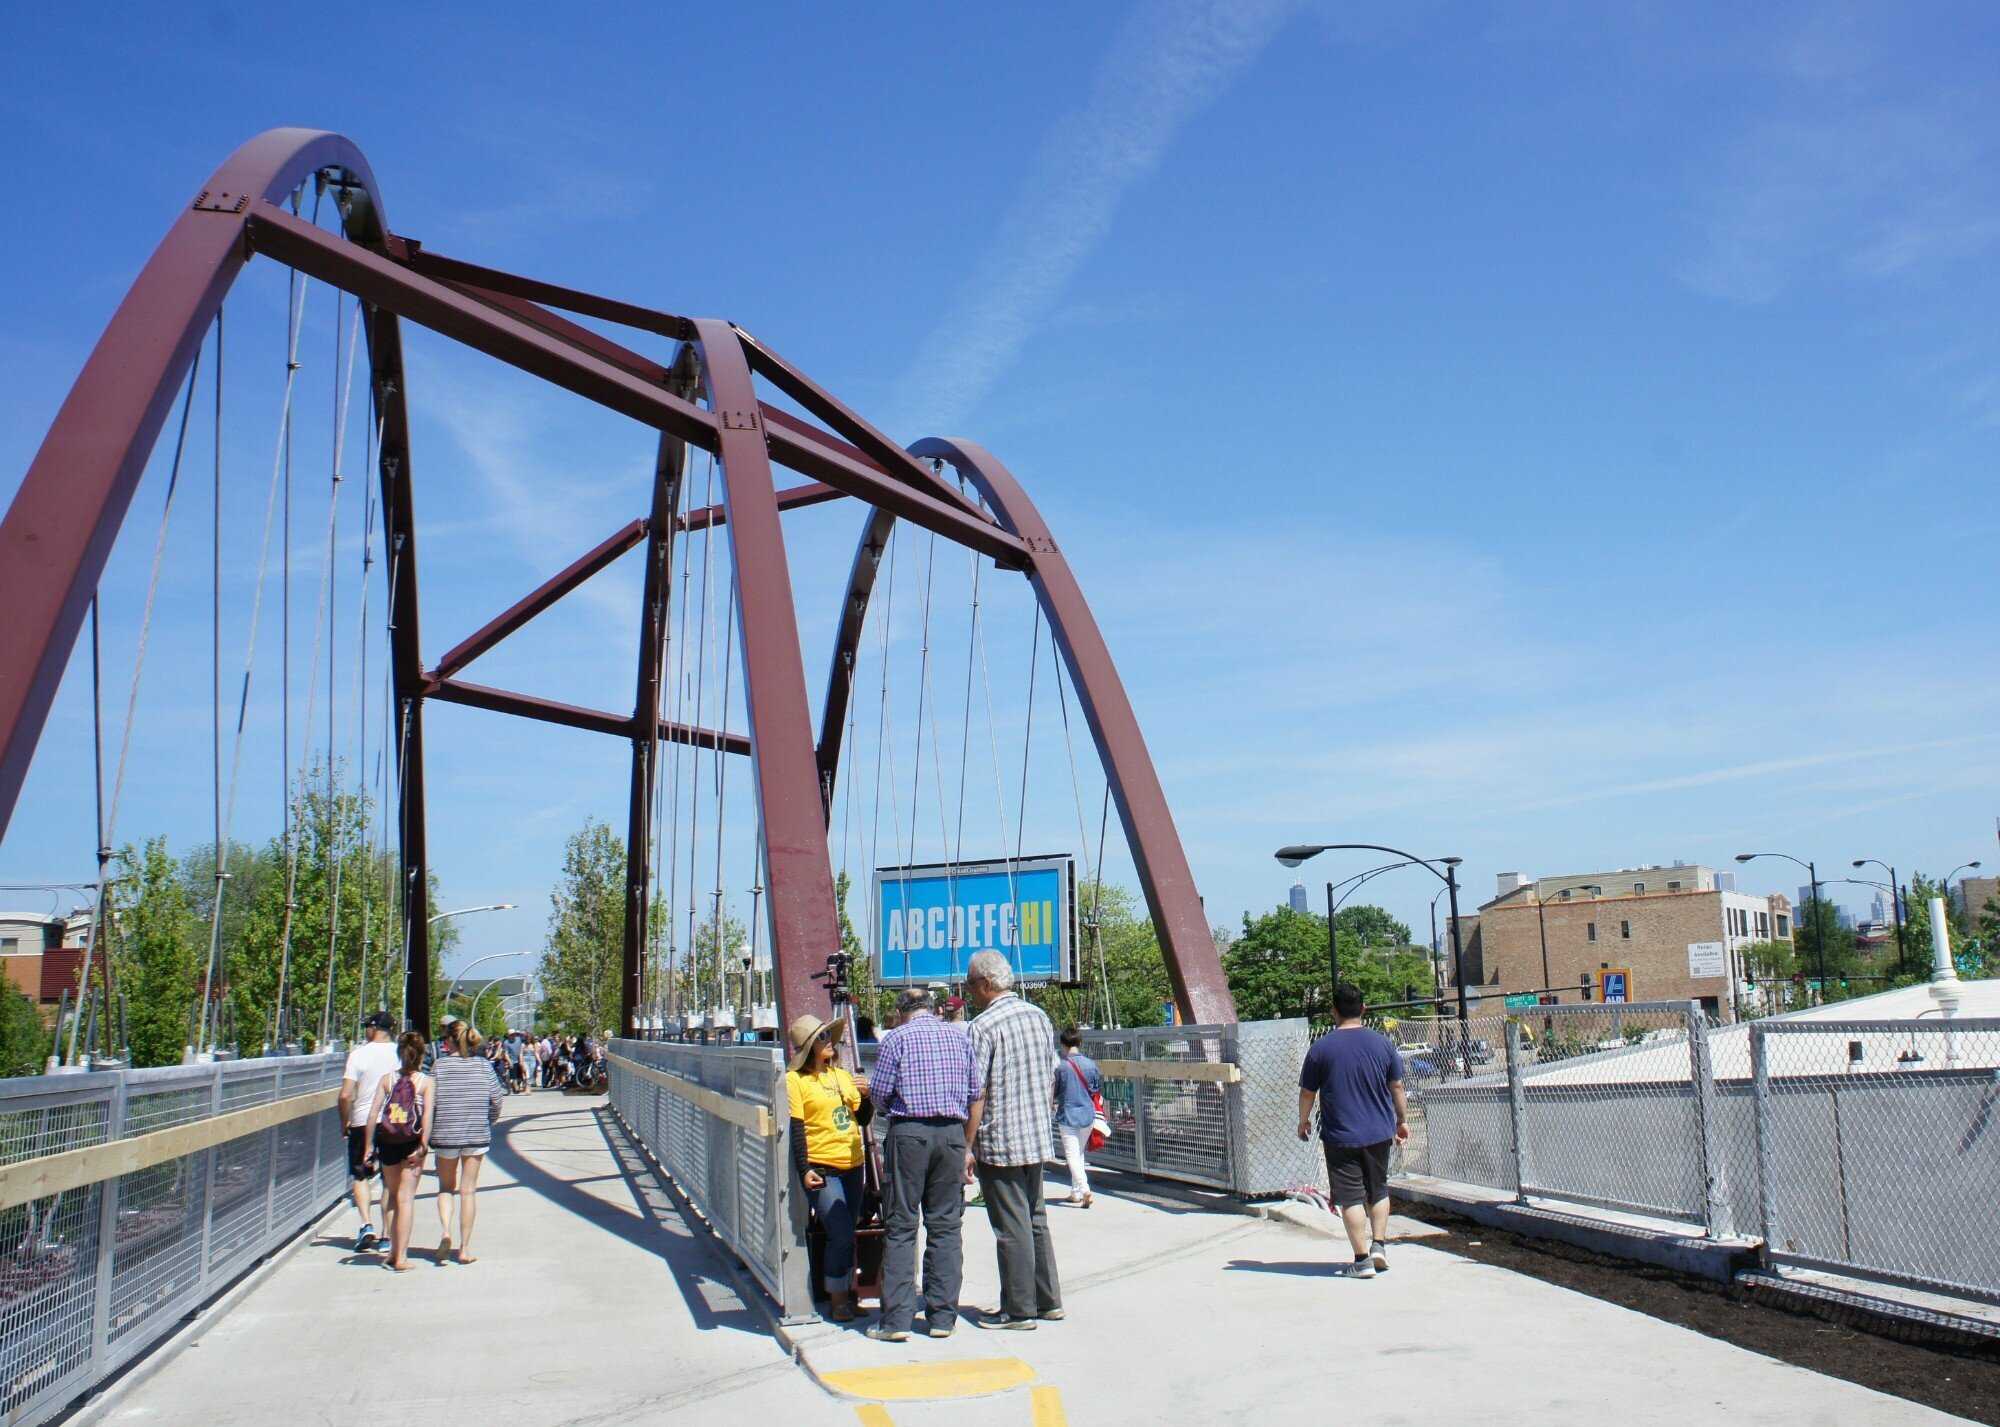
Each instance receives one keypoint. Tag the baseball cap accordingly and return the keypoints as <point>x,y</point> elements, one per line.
<point>379,1021</point>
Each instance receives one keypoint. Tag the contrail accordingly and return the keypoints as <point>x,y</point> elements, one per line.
<point>1170,60</point>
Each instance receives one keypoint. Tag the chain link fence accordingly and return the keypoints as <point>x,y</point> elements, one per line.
<point>162,1186</point>
<point>717,1120</point>
<point>1877,1149</point>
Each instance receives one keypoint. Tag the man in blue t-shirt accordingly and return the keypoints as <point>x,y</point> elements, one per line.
<point>1358,1079</point>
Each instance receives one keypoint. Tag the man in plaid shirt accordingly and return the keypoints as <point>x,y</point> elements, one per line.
<point>925,1082</point>
<point>1014,1055</point>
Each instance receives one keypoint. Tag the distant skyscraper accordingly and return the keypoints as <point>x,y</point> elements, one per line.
<point>1298,896</point>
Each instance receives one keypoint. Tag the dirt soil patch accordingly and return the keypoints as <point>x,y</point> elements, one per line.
<point>1967,1385</point>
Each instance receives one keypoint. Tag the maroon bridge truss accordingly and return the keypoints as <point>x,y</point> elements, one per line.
<point>59,532</point>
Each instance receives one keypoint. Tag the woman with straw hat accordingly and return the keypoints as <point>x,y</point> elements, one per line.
<point>829,1107</point>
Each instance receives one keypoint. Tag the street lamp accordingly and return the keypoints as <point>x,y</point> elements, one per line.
<point>1945,886</point>
<point>1293,855</point>
<point>1895,909</point>
<point>1541,922</point>
<point>481,961</point>
<point>1819,929</point>
<point>463,911</point>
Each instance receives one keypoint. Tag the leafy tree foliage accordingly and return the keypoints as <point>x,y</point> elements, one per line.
<point>1279,965</point>
<point>586,937</point>
<point>24,1040</point>
<point>153,941</point>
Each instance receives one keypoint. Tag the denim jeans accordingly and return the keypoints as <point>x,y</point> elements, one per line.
<point>836,1202</point>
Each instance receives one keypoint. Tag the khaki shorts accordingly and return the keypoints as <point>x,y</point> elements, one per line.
<point>459,1151</point>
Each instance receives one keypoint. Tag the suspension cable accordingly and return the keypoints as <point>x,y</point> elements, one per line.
<point>700,702</point>
<point>1028,733</point>
<point>336,832</point>
<point>680,714</point>
<point>722,779</point>
<point>361,750</point>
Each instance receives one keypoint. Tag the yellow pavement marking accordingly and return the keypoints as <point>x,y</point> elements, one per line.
<point>874,1414</point>
<point>967,1377</point>
<point>1048,1407</point>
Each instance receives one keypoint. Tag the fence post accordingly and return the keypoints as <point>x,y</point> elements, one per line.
<point>1716,1218</point>
<point>107,1241</point>
<point>1760,1099</point>
<point>208,1182</point>
<point>1517,1111</point>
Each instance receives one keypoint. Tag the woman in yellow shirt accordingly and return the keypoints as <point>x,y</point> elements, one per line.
<point>829,1107</point>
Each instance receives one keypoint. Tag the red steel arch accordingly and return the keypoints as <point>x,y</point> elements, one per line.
<point>58,533</point>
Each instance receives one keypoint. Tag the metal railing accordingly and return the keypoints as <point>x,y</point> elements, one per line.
<point>1209,1105</point>
<point>129,1197</point>
<point>717,1120</point>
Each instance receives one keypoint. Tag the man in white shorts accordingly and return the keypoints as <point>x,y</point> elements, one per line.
<point>367,1063</point>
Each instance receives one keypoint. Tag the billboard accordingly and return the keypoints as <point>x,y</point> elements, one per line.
<point>930,920</point>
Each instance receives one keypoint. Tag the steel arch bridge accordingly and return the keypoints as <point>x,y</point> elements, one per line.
<point>58,534</point>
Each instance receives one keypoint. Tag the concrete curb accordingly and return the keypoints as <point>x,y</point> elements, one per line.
<point>1905,1322</point>
<point>1696,1257</point>
<point>101,1399</point>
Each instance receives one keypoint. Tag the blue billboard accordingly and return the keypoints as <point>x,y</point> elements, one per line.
<point>930,920</point>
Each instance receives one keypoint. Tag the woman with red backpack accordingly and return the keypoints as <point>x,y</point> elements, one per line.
<point>399,1133</point>
<point>1080,1114</point>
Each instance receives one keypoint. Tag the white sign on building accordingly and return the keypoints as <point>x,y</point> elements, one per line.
<point>1707,958</point>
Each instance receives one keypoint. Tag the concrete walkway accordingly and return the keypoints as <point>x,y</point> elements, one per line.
<point>592,1303</point>
<point>595,1303</point>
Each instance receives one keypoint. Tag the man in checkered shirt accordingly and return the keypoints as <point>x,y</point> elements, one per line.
<point>1014,1056</point>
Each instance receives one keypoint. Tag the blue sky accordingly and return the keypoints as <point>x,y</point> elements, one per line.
<point>1557,435</point>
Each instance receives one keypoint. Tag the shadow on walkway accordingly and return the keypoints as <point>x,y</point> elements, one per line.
<point>706,1284</point>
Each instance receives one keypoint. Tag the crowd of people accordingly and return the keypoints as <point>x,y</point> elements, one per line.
<point>404,1101</point>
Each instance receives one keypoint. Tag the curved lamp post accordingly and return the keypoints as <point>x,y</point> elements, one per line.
<point>1352,884</point>
<point>1895,908</point>
<point>1945,886</point>
<point>1293,855</point>
<point>1819,929</point>
<point>481,961</point>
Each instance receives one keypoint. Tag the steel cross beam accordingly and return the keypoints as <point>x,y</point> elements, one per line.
<point>381,280</point>
<point>539,599</point>
<point>480,696</point>
<point>791,498</point>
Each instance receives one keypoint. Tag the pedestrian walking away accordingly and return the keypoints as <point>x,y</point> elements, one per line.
<point>926,1085</point>
<point>367,1063</point>
<point>399,1127</point>
<point>828,1112</point>
<point>1357,1077</point>
<point>1080,1105</point>
<point>1014,1055</point>
<point>464,1107</point>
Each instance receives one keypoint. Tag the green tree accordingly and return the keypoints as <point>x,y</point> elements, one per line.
<point>156,946</point>
<point>1279,966</point>
<point>24,1040</point>
<point>584,949</point>
<point>1818,926</point>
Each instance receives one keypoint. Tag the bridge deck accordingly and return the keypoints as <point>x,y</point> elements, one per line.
<point>595,1303</point>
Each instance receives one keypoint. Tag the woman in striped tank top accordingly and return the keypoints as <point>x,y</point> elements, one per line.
<point>467,1103</point>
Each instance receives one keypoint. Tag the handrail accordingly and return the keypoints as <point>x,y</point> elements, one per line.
<point>757,1119</point>
<point>27,1180</point>
<point>1221,1073</point>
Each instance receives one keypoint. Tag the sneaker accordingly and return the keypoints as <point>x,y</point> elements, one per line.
<point>1007,1324</point>
<point>941,1330</point>
<point>1378,1257</point>
<point>1054,1315</point>
<point>1362,1267</point>
<point>888,1335</point>
<point>365,1240</point>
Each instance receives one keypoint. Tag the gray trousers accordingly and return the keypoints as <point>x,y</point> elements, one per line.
<point>923,1176</point>
<point>1028,1283</point>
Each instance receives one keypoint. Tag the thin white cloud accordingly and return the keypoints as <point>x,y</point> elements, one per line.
<point>1171,60</point>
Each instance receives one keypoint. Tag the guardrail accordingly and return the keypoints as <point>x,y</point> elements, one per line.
<point>1211,1105</point>
<point>716,1119</point>
<point>129,1197</point>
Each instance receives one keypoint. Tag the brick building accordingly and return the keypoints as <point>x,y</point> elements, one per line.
<point>1969,896</point>
<point>1638,920</point>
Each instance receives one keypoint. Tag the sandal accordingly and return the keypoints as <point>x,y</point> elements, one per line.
<point>444,1249</point>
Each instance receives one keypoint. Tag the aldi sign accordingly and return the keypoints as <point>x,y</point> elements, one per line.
<point>929,921</point>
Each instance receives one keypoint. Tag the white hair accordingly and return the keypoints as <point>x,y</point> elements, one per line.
<point>992,968</point>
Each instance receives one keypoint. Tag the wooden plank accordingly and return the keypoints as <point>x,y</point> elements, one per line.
<point>754,1118</point>
<point>32,1179</point>
<point>1170,1070</point>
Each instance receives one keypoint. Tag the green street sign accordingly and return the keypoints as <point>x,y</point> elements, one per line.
<point>1525,1002</point>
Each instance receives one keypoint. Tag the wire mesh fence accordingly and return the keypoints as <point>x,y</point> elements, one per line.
<point>1877,1149</point>
<point>94,1274</point>
<point>716,1119</point>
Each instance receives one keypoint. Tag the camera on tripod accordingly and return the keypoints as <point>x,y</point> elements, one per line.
<point>838,965</point>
